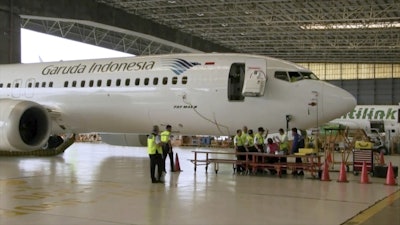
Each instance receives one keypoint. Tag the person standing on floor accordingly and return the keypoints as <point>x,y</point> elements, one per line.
<point>154,150</point>
<point>259,140</point>
<point>249,144</point>
<point>283,143</point>
<point>166,138</point>
<point>297,139</point>
<point>244,134</point>
<point>272,148</point>
<point>239,147</point>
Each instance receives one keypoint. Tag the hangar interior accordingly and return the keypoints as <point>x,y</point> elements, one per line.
<point>352,44</point>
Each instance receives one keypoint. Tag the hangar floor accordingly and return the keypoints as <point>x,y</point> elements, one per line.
<point>102,184</point>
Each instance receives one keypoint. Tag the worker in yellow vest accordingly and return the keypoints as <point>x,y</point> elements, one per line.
<point>244,134</point>
<point>249,144</point>
<point>166,138</point>
<point>154,150</point>
<point>239,147</point>
<point>259,140</point>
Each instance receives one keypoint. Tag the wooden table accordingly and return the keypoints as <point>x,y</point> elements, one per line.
<point>256,160</point>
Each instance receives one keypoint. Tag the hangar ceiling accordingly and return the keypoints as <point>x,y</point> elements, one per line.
<point>296,30</point>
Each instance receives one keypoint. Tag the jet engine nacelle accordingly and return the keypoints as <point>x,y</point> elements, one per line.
<point>24,125</point>
<point>136,140</point>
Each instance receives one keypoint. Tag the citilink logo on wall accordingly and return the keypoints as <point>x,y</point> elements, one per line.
<point>179,66</point>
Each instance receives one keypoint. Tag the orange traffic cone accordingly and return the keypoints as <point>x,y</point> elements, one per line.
<point>381,158</point>
<point>390,176</point>
<point>325,172</point>
<point>177,166</point>
<point>342,174</point>
<point>329,157</point>
<point>364,174</point>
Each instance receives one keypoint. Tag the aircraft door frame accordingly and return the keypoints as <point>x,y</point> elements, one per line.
<point>236,81</point>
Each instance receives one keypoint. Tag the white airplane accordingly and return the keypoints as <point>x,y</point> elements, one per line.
<point>122,98</point>
<point>378,121</point>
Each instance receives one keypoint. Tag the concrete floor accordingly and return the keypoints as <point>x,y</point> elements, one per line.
<point>101,184</point>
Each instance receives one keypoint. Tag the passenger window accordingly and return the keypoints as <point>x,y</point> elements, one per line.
<point>184,80</point>
<point>295,76</point>
<point>98,83</point>
<point>37,84</point>
<point>146,81</point>
<point>137,81</point>
<point>43,84</point>
<point>66,84</point>
<point>83,83</point>
<point>9,85</point>
<point>165,80</point>
<point>174,80</point>
<point>16,85</point>
<point>281,75</point>
<point>1,85</point>
<point>118,82</point>
<point>51,84</point>
<point>108,83</point>
<point>74,83</point>
<point>155,81</point>
<point>127,82</point>
<point>91,82</point>
<point>29,85</point>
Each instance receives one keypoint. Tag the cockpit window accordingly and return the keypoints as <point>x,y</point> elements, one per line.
<point>281,75</point>
<point>309,75</point>
<point>295,76</point>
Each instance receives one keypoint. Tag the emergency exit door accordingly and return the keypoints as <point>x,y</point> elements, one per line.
<point>255,78</point>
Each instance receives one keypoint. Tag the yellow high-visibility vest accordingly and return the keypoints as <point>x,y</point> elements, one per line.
<point>250,141</point>
<point>165,136</point>
<point>260,139</point>
<point>152,147</point>
<point>238,140</point>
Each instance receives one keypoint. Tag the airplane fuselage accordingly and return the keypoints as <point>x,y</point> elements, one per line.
<point>210,94</point>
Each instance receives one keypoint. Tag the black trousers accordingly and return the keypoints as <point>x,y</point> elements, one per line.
<point>240,157</point>
<point>241,149</point>
<point>298,160</point>
<point>166,152</point>
<point>251,149</point>
<point>155,160</point>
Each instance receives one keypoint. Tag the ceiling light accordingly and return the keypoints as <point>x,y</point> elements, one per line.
<point>338,26</point>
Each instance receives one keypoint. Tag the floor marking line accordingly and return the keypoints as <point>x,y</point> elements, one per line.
<point>374,209</point>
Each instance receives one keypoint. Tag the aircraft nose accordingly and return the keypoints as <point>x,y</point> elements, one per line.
<point>337,101</point>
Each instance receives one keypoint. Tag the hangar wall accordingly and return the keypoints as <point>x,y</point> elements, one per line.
<point>10,38</point>
<point>370,83</point>
<point>372,91</point>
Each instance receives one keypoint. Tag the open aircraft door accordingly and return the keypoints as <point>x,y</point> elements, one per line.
<point>255,78</point>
